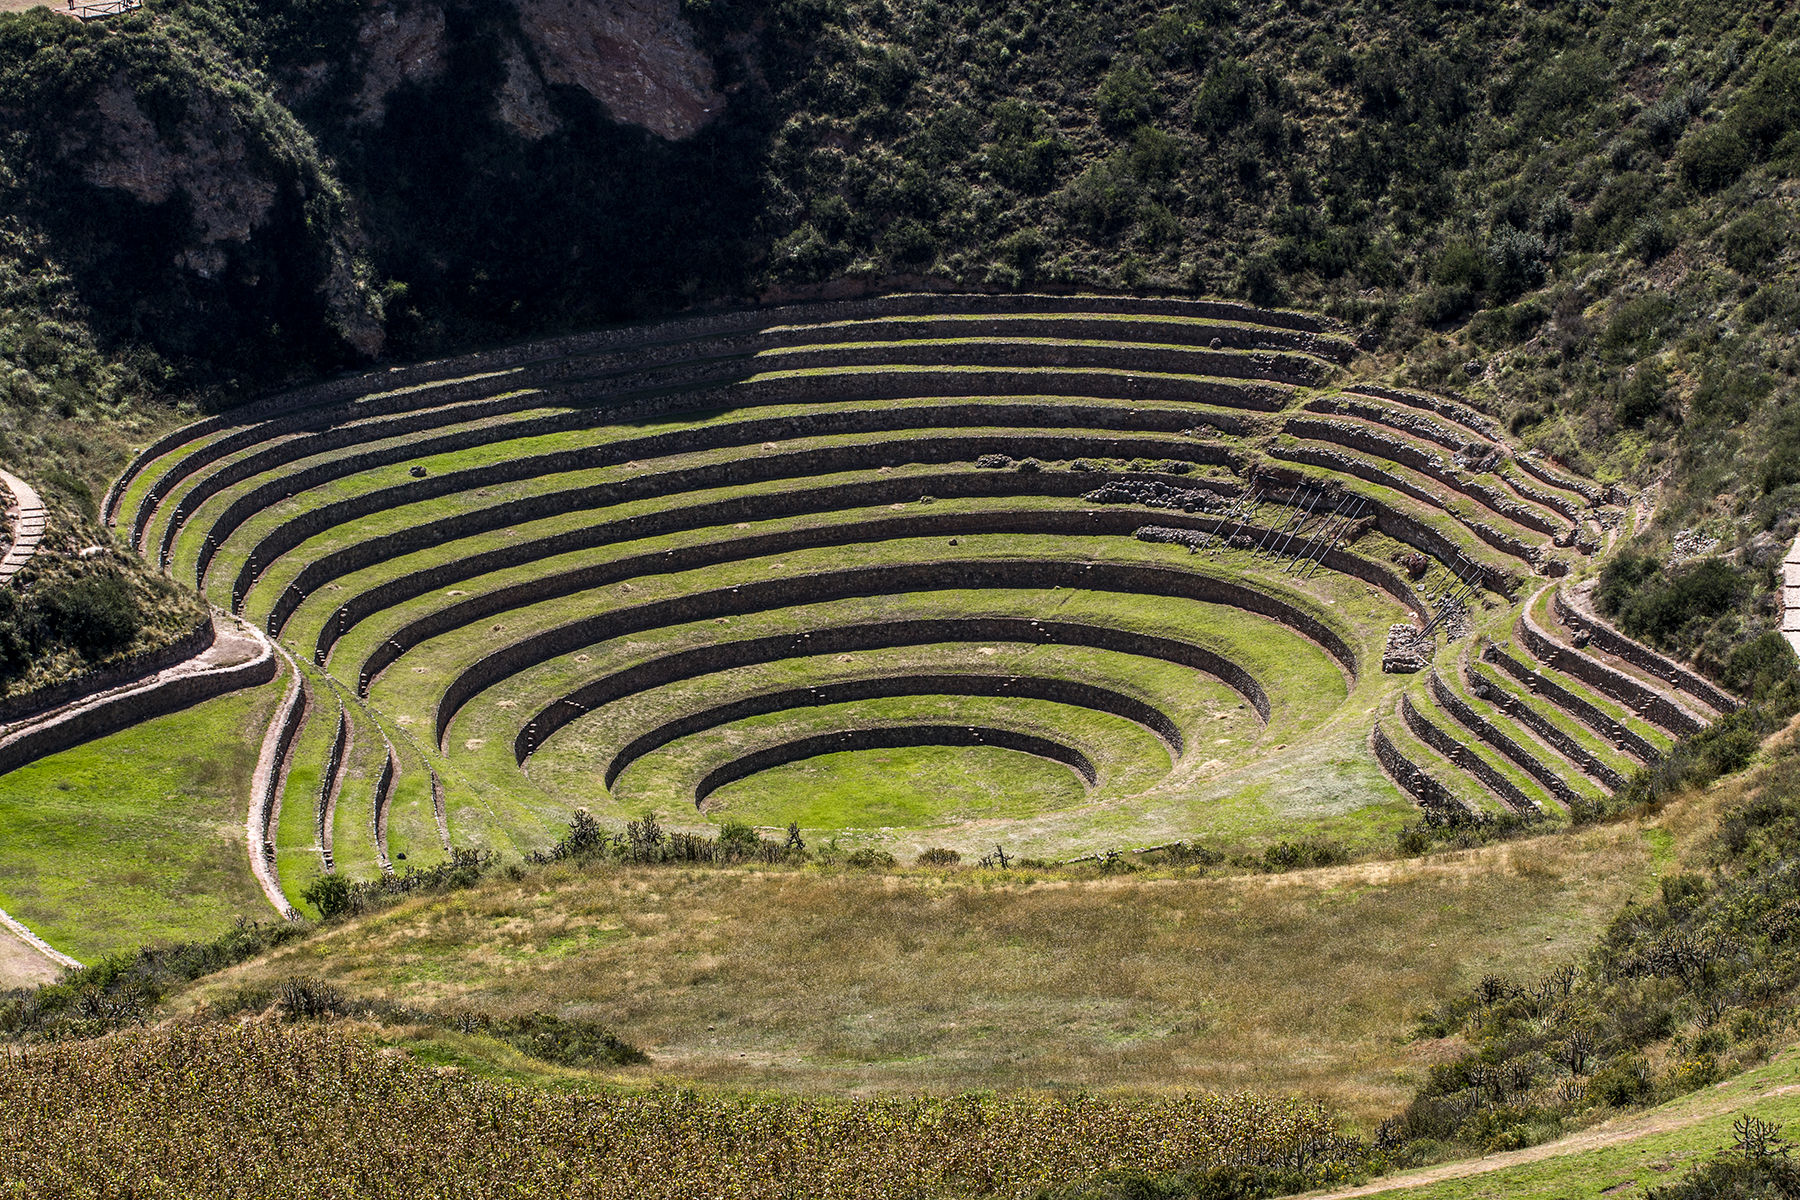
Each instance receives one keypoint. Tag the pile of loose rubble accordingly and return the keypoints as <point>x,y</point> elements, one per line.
<point>1156,494</point>
<point>1408,650</point>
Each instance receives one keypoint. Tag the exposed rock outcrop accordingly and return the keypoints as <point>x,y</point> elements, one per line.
<point>207,161</point>
<point>403,46</point>
<point>637,57</point>
<point>521,98</point>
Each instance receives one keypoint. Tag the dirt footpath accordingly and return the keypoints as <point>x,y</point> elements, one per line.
<point>20,964</point>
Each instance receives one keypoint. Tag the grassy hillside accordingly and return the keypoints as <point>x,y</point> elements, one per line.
<point>1572,216</point>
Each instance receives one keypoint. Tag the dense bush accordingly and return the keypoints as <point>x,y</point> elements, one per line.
<point>1704,975</point>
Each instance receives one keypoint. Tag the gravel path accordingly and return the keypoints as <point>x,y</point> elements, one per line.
<point>266,783</point>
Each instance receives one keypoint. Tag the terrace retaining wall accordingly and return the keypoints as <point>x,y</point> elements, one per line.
<point>1321,341</point>
<point>892,738</point>
<point>1407,775</point>
<point>1057,691</point>
<point>1641,656</point>
<point>1457,753</point>
<point>880,581</point>
<point>1652,706</point>
<point>112,714</point>
<point>1468,718</point>
<point>138,667</point>
<point>1588,714</point>
<point>698,662</point>
<point>1535,721</point>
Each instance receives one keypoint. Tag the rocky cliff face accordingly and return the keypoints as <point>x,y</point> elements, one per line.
<point>206,161</point>
<point>637,57</point>
<point>400,45</point>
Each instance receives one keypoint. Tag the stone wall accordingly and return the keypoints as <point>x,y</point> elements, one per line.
<point>701,661</point>
<point>112,714</point>
<point>1652,706</point>
<point>1641,656</point>
<point>747,433</point>
<point>759,467</point>
<point>1057,691</point>
<point>1467,417</point>
<point>1405,529</point>
<point>1468,718</point>
<point>1591,715</point>
<point>1394,449</point>
<point>138,667</point>
<point>331,785</point>
<point>788,592</point>
<point>890,738</point>
<point>1407,775</point>
<point>1283,331</point>
<point>1474,764</point>
<point>1535,721</point>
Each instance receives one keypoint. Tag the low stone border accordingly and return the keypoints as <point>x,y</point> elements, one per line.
<point>1058,691</point>
<point>270,777</point>
<point>1593,717</point>
<point>37,943</point>
<point>1641,656</point>
<point>1455,753</point>
<point>894,738</point>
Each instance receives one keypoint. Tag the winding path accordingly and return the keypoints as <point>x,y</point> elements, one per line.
<point>27,526</point>
<point>1790,596</point>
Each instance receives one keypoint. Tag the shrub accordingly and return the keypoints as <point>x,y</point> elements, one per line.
<point>937,856</point>
<point>1712,158</point>
<point>909,243</point>
<point>330,894</point>
<point>1516,261</point>
<point>1227,97</point>
<point>1755,668</point>
<point>1126,98</point>
<point>1641,398</point>
<point>1752,240</point>
<point>95,614</point>
<point>869,858</point>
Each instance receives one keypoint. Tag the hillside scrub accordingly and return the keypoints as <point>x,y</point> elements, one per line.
<point>1677,993</point>
<point>1571,216</point>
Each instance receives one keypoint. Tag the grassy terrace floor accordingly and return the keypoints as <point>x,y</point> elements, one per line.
<point>1290,984</point>
<point>138,837</point>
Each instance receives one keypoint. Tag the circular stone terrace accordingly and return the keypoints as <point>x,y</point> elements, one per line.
<point>1062,573</point>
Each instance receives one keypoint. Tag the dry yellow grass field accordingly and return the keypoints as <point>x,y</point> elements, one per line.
<point>824,981</point>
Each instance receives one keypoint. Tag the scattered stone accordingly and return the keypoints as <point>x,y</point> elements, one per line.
<point>1030,466</point>
<point>1153,493</point>
<point>1082,464</point>
<point>927,499</point>
<point>998,462</point>
<point>1214,344</point>
<point>1691,544</point>
<point>1408,650</point>
<point>1416,564</point>
<point>92,552</point>
<point>1473,368</point>
<point>417,472</point>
